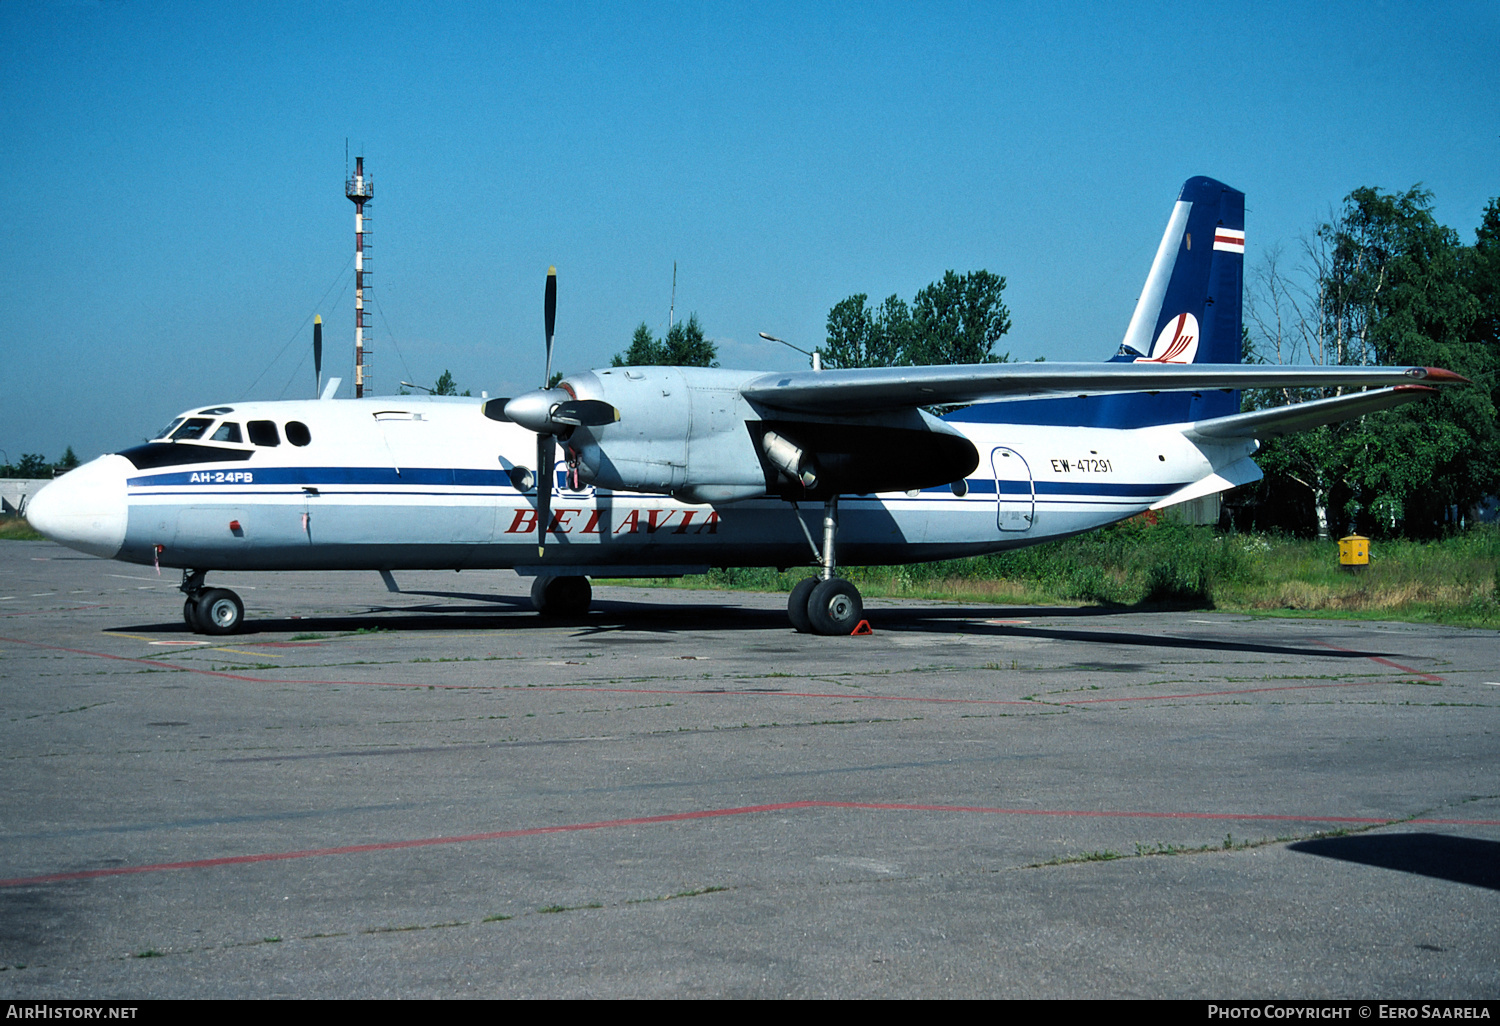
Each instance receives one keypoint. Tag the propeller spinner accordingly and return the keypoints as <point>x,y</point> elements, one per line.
<point>551,413</point>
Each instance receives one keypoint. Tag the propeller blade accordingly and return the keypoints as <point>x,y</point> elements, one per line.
<point>318,350</point>
<point>546,461</point>
<point>585,413</point>
<point>550,308</point>
<point>495,409</point>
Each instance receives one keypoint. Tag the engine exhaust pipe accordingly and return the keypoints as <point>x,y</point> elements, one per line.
<point>789,459</point>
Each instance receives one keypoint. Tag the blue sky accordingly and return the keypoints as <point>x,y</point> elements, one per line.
<point>172,209</point>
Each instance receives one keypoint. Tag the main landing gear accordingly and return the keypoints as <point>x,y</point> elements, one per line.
<point>210,610</point>
<point>827,604</point>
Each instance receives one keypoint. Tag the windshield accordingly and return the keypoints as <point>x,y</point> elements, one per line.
<point>194,428</point>
<point>164,432</point>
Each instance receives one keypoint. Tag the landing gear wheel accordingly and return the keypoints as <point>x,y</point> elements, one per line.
<point>190,614</point>
<point>834,607</point>
<point>796,604</point>
<point>220,611</point>
<point>564,597</point>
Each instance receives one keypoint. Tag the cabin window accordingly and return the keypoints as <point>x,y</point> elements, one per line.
<point>228,432</point>
<point>192,430</point>
<point>263,432</point>
<point>297,433</point>
<point>164,432</point>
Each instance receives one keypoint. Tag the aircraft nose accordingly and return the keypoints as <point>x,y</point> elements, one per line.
<point>85,509</point>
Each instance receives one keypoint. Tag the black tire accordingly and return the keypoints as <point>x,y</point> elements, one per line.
<point>796,604</point>
<point>190,614</point>
<point>562,597</point>
<point>220,611</point>
<point>834,607</point>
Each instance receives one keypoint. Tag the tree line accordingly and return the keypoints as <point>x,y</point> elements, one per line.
<point>34,464</point>
<point>1381,282</point>
<point>957,319</point>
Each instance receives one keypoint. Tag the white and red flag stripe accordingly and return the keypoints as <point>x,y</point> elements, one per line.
<point>1229,240</point>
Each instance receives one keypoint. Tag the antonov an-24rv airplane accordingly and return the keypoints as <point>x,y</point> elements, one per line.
<point>672,470</point>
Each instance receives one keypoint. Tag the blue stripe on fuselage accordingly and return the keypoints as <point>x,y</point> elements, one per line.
<point>1019,487</point>
<point>320,476</point>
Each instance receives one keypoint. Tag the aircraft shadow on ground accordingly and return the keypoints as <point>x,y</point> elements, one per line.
<point>1464,860</point>
<point>692,611</point>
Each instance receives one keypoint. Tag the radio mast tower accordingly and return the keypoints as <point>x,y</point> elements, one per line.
<point>361,190</point>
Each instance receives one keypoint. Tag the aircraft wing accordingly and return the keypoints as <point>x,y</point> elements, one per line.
<point>1285,420</point>
<point>881,389</point>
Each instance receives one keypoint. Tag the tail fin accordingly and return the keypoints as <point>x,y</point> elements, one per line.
<point>1189,311</point>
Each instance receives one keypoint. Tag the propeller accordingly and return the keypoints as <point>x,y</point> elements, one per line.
<point>549,305</point>
<point>318,352</point>
<point>546,442</point>
<point>550,413</point>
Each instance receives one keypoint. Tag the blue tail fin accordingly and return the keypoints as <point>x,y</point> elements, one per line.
<point>1189,312</point>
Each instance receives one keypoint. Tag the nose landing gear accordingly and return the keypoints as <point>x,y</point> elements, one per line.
<point>210,610</point>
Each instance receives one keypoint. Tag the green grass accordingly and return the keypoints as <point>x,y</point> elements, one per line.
<point>14,528</point>
<point>1139,565</point>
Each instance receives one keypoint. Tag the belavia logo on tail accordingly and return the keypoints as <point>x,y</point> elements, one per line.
<point>1177,343</point>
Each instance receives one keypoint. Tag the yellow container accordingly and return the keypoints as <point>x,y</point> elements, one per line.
<point>1354,551</point>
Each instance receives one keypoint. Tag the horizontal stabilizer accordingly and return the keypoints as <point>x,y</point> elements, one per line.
<point>1285,420</point>
<point>1240,472</point>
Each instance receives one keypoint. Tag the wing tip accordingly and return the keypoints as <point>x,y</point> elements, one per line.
<point>1439,375</point>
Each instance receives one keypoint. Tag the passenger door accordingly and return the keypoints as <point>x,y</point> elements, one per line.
<point>1015,491</point>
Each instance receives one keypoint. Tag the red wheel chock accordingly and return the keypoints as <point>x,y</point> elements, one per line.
<point>862,628</point>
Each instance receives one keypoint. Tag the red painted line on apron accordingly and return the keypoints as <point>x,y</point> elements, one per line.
<point>680,817</point>
<point>1382,661</point>
<point>715,693</point>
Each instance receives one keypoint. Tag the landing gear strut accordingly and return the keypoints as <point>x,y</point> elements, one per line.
<point>210,610</point>
<point>827,604</point>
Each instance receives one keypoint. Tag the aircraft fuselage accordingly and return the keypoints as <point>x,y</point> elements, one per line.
<point>405,483</point>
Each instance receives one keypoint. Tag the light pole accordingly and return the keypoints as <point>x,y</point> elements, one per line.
<point>817,363</point>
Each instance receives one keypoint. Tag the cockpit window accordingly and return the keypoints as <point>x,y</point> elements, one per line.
<point>297,433</point>
<point>228,432</point>
<point>192,430</point>
<point>164,432</point>
<point>263,432</point>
